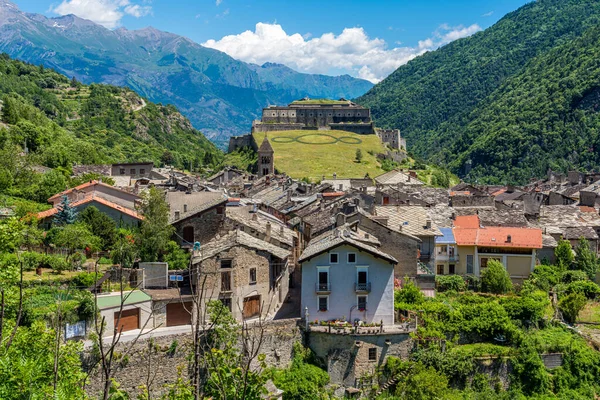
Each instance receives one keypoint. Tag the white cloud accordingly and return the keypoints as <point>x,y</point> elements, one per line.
<point>218,2</point>
<point>352,51</point>
<point>103,12</point>
<point>487,14</point>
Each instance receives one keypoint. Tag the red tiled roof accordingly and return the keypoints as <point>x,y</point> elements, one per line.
<point>460,193</point>
<point>333,194</point>
<point>88,199</point>
<point>496,236</point>
<point>587,209</point>
<point>83,186</point>
<point>465,237</point>
<point>499,191</point>
<point>467,222</point>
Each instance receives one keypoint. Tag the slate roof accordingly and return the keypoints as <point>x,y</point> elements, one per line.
<point>575,233</point>
<point>413,220</point>
<point>197,202</point>
<point>548,241</point>
<point>91,199</point>
<point>395,177</point>
<point>566,217</point>
<point>236,238</point>
<point>243,216</point>
<point>266,146</point>
<point>337,237</point>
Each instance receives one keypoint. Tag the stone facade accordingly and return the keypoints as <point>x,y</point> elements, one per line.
<point>206,225</point>
<point>134,170</point>
<point>392,138</point>
<point>270,284</point>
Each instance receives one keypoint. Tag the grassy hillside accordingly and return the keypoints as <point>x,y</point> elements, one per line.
<point>324,153</point>
<point>433,97</point>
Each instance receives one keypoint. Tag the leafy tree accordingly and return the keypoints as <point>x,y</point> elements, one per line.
<point>422,383</point>
<point>100,225</point>
<point>176,256</point>
<point>564,255</point>
<point>66,214</point>
<point>10,113</point>
<point>409,294</point>
<point>125,250</point>
<point>359,156</point>
<point>571,305</point>
<point>91,176</point>
<point>495,278</point>
<point>155,231</point>
<point>75,237</point>
<point>585,259</point>
<point>444,283</point>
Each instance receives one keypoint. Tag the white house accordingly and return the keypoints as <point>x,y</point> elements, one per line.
<point>345,277</point>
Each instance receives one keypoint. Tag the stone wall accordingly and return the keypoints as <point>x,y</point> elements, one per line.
<point>159,367</point>
<point>471,201</point>
<point>237,142</point>
<point>347,356</point>
<point>361,128</point>
<point>206,225</point>
<point>272,127</point>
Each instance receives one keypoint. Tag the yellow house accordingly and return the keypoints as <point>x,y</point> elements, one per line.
<point>514,247</point>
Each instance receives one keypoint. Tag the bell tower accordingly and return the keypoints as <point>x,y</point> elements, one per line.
<point>265,158</point>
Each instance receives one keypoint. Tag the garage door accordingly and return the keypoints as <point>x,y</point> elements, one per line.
<point>251,306</point>
<point>130,320</point>
<point>179,314</point>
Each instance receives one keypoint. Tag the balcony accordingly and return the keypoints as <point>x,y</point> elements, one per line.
<point>364,287</point>
<point>425,256</point>
<point>323,287</point>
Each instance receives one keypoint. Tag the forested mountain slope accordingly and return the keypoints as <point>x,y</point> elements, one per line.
<point>220,95</point>
<point>50,120</point>
<point>432,97</point>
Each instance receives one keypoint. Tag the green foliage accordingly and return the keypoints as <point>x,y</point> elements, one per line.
<point>445,283</point>
<point>586,259</point>
<point>85,280</point>
<point>358,156</point>
<point>514,100</point>
<point>545,277</point>
<point>495,278</point>
<point>244,158</point>
<point>76,237</point>
<point>155,232</point>
<point>100,225</point>
<point>422,383</point>
<point>571,305</point>
<point>528,309</point>
<point>90,176</point>
<point>573,276</point>
<point>302,380</point>
<point>587,288</point>
<point>529,370</point>
<point>409,294</point>
<point>26,369</point>
<point>177,257</point>
<point>66,213</point>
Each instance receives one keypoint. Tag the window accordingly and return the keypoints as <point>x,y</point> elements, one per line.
<point>226,263</point>
<point>485,260</point>
<point>351,258</point>
<point>323,304</point>
<point>132,171</point>
<point>362,277</point>
<point>252,276</point>
<point>122,171</point>
<point>323,279</point>
<point>373,354</point>
<point>142,171</point>
<point>361,303</point>
<point>226,302</point>
<point>469,264</point>
<point>451,269</point>
<point>333,258</point>
<point>440,270</point>
<point>220,210</point>
<point>226,281</point>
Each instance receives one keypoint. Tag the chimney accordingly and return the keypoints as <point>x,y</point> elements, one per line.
<point>281,230</point>
<point>428,224</point>
<point>510,189</point>
<point>322,204</point>
<point>268,232</point>
<point>340,219</point>
<point>453,217</point>
<point>177,213</point>
<point>254,208</point>
<point>509,239</point>
<point>185,208</point>
<point>254,217</point>
<point>289,195</point>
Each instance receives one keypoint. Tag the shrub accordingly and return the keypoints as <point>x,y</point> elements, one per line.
<point>571,305</point>
<point>545,276</point>
<point>409,294</point>
<point>572,276</point>
<point>528,309</point>
<point>587,288</point>
<point>444,283</point>
<point>56,262</point>
<point>495,279</point>
<point>473,283</point>
<point>86,279</point>
<point>32,260</point>
<point>104,261</point>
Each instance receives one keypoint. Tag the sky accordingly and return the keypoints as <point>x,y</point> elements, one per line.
<point>366,39</point>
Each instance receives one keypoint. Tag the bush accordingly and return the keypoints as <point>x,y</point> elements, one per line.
<point>495,279</point>
<point>104,261</point>
<point>571,305</point>
<point>444,283</point>
<point>545,276</point>
<point>528,309</point>
<point>572,276</point>
<point>587,288</point>
<point>85,280</point>
<point>56,262</point>
<point>32,260</point>
<point>409,294</point>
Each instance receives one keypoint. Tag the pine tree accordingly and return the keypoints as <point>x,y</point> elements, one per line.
<point>564,255</point>
<point>66,214</point>
<point>359,155</point>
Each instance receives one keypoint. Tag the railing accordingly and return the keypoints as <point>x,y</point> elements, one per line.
<point>323,287</point>
<point>364,287</point>
<point>425,256</point>
<point>453,258</point>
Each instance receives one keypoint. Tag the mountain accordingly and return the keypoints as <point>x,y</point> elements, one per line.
<point>220,95</point>
<point>441,99</point>
<point>58,122</point>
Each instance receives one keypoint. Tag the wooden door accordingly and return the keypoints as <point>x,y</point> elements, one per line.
<point>251,307</point>
<point>179,314</point>
<point>130,320</point>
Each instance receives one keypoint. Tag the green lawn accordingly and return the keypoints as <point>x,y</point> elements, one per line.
<point>591,313</point>
<point>319,156</point>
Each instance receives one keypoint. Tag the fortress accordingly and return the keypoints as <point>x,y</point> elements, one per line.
<point>322,115</point>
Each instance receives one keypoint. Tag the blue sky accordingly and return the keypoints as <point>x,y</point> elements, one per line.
<point>368,39</point>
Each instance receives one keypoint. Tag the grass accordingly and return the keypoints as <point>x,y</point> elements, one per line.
<point>590,313</point>
<point>48,274</point>
<point>319,101</point>
<point>301,160</point>
<point>482,350</point>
